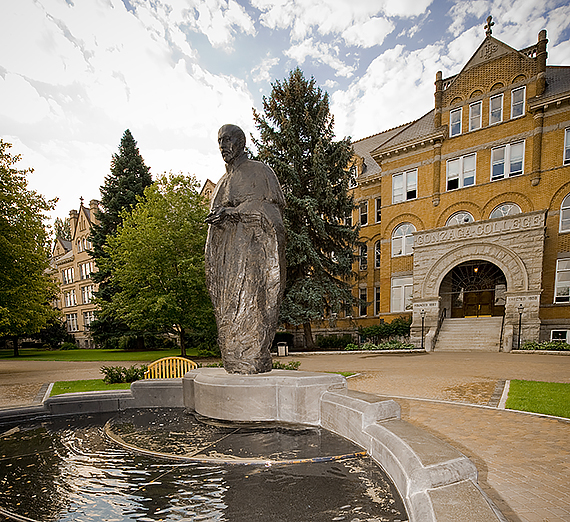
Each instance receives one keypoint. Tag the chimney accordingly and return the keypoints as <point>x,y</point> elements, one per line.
<point>438,99</point>
<point>73,222</point>
<point>93,209</point>
<point>541,56</point>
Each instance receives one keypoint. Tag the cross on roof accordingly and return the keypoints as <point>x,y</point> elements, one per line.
<point>488,26</point>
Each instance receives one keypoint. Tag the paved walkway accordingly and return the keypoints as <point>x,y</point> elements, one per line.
<point>523,460</point>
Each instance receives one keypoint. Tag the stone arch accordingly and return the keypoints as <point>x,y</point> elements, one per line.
<point>476,93</point>
<point>414,219</point>
<point>519,78</point>
<point>456,101</point>
<point>504,258</point>
<point>496,86</point>
<point>468,206</point>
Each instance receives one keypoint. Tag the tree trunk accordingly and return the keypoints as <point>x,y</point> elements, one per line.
<point>15,345</point>
<point>182,343</point>
<point>140,343</point>
<point>310,344</point>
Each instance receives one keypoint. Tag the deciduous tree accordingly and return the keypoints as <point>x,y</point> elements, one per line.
<point>157,260</point>
<point>26,290</point>
<point>297,141</point>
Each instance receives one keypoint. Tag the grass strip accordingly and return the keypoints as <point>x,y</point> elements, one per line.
<point>28,354</point>
<point>86,386</point>
<point>549,398</point>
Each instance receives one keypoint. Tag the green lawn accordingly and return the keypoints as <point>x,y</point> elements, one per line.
<point>86,386</point>
<point>27,354</point>
<point>550,398</point>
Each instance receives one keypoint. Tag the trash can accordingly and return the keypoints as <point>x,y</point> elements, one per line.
<point>282,349</point>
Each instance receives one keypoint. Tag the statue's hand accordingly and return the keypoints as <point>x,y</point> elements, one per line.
<point>218,216</point>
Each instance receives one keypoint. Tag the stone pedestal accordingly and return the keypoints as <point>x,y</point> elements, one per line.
<point>279,395</point>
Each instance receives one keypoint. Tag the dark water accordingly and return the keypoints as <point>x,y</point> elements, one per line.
<point>73,471</point>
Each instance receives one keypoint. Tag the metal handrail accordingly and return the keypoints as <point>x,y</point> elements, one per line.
<point>442,315</point>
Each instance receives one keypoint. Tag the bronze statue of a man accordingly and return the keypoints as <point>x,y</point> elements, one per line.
<point>245,256</point>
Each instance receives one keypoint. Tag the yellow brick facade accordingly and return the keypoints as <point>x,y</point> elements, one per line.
<point>505,103</point>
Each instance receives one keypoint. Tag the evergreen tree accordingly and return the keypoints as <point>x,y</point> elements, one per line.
<point>26,289</point>
<point>62,229</point>
<point>128,178</point>
<point>297,141</point>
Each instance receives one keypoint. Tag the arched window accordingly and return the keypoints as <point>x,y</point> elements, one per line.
<point>403,240</point>
<point>505,209</point>
<point>565,215</point>
<point>363,261</point>
<point>460,218</point>
<point>377,254</point>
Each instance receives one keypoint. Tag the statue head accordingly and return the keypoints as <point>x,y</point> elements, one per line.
<point>231,140</point>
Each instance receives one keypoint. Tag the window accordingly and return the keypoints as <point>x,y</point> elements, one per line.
<point>85,270</point>
<point>460,218</point>
<point>403,240</point>
<point>363,307</point>
<point>565,215</point>
<point>475,116</point>
<point>562,288</point>
<point>363,257</point>
<point>567,147</point>
<point>378,210</point>
<point>505,209</point>
<point>67,276</point>
<point>517,102</point>
<point>80,245</point>
<point>507,160</point>
<point>404,186</point>
<point>86,294</point>
<point>364,213</point>
<point>377,300</point>
<point>402,289</point>
<point>377,254</point>
<point>455,122</point>
<point>348,220</point>
<point>496,109</point>
<point>70,298</point>
<point>88,318</point>
<point>461,172</point>
<point>71,320</point>
<point>560,335</point>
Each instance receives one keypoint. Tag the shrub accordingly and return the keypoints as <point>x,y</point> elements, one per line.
<point>115,374</point>
<point>69,346</point>
<point>333,342</point>
<point>352,346</point>
<point>389,345</point>
<point>291,365</point>
<point>399,327</point>
<point>557,346</point>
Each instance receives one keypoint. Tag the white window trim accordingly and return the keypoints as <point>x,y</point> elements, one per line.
<point>560,330</point>
<point>566,152</point>
<point>378,209</point>
<point>363,213</point>
<point>558,272</point>
<point>461,172</point>
<point>490,108</point>
<point>405,176</point>
<point>401,288</point>
<point>562,210</point>
<point>455,214</point>
<point>504,215</point>
<point>362,307</point>
<point>480,105</point>
<point>377,254</point>
<point>507,160</point>
<point>404,242</point>
<point>523,102</point>
<point>451,113</point>
<point>363,258</point>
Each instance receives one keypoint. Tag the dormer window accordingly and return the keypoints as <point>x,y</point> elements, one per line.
<point>496,109</point>
<point>455,122</point>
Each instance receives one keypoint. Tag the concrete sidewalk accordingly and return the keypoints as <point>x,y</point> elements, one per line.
<point>523,460</point>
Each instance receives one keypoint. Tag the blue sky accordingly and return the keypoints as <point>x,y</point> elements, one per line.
<point>74,74</point>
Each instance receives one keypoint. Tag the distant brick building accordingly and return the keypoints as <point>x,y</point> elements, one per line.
<point>72,267</point>
<point>467,209</point>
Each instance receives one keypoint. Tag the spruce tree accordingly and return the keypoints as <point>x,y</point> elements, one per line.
<point>297,141</point>
<point>128,178</point>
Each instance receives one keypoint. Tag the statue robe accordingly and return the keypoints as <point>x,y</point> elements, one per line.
<point>245,264</point>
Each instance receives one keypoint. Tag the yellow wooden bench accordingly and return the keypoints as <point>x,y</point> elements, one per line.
<point>169,368</point>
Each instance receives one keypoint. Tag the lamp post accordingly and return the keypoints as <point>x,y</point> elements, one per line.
<point>423,314</point>
<point>520,309</point>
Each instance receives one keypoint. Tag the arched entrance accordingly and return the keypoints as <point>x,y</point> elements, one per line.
<point>474,288</point>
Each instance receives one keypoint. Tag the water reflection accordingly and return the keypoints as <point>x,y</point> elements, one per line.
<point>70,471</point>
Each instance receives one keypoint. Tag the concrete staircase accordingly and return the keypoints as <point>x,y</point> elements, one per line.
<point>470,334</point>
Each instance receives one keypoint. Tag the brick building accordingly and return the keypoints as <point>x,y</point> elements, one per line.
<point>465,212</point>
<point>72,267</point>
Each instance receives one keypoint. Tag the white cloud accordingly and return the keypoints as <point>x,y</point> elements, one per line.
<point>406,8</point>
<point>319,52</point>
<point>22,102</point>
<point>261,73</point>
<point>370,33</point>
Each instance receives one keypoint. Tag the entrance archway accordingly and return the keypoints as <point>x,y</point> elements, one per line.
<point>474,288</point>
